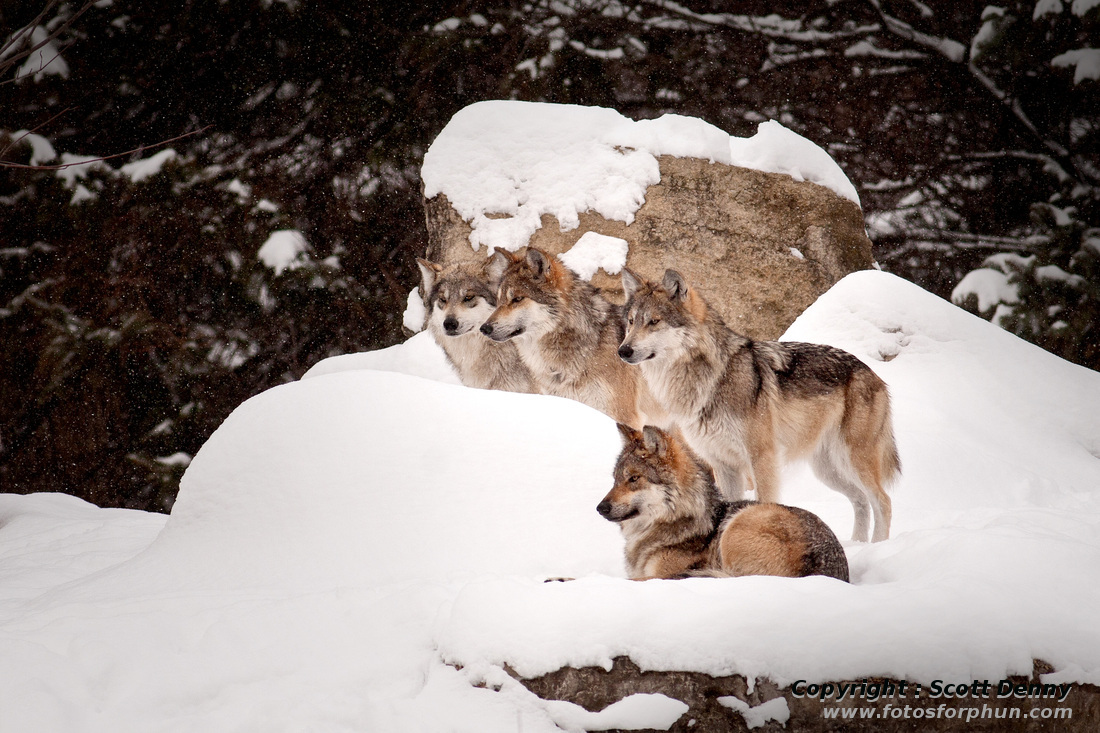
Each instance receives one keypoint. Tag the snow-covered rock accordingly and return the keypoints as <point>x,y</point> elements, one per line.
<point>763,224</point>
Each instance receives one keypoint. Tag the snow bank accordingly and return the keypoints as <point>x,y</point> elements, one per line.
<point>503,164</point>
<point>339,538</point>
<point>420,356</point>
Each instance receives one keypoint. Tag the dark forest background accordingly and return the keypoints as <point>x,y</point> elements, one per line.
<point>135,315</point>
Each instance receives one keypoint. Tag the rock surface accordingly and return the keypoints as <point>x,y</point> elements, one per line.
<point>761,247</point>
<point>593,688</point>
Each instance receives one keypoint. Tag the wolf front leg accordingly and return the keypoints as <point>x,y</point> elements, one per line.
<point>733,479</point>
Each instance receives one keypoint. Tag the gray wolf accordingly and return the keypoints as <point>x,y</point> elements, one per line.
<point>747,405</point>
<point>566,334</point>
<point>459,298</point>
<point>675,524</point>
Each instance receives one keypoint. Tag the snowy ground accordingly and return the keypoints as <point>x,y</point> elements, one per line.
<point>340,539</point>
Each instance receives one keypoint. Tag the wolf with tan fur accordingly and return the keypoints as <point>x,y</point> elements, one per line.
<point>459,298</point>
<point>675,524</point>
<point>566,333</point>
<point>748,406</point>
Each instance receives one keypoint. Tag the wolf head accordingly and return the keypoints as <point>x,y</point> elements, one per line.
<point>659,318</point>
<point>459,296</point>
<point>657,478</point>
<point>530,290</point>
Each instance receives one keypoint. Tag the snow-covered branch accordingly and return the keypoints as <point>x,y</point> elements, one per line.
<point>959,53</point>
<point>772,26</point>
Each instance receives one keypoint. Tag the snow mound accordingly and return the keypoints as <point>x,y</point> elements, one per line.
<point>420,356</point>
<point>503,164</point>
<point>339,540</point>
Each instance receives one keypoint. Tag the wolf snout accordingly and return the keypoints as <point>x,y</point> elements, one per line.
<point>604,508</point>
<point>450,324</point>
<point>625,352</point>
<point>487,328</point>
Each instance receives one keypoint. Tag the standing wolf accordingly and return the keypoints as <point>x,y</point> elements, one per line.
<point>460,298</point>
<point>675,523</point>
<point>746,405</point>
<point>566,334</point>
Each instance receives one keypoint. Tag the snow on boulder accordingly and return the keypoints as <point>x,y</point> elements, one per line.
<point>763,224</point>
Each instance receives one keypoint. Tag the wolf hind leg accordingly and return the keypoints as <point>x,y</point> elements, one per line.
<point>839,479</point>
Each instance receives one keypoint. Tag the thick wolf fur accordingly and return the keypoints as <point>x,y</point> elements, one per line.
<point>675,524</point>
<point>566,334</point>
<point>459,299</point>
<point>747,405</point>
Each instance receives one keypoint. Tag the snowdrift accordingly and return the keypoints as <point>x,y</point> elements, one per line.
<point>340,539</point>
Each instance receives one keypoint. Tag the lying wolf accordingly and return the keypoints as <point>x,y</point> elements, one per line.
<point>676,525</point>
<point>459,299</point>
<point>566,333</point>
<point>747,405</point>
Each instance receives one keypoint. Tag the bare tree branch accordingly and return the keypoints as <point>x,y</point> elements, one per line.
<point>141,149</point>
<point>8,61</point>
<point>958,53</point>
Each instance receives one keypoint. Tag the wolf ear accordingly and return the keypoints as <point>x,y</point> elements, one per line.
<point>536,259</point>
<point>674,283</point>
<point>630,435</point>
<point>655,440</point>
<point>428,271</point>
<point>631,283</point>
<point>497,264</point>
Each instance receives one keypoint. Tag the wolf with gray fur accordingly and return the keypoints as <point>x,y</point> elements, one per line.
<point>566,334</point>
<point>459,298</point>
<point>675,524</point>
<point>748,406</point>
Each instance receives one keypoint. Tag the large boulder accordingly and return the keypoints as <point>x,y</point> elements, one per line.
<point>760,245</point>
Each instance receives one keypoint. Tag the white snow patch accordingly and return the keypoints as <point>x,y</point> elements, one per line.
<point>593,251</point>
<point>42,151</point>
<point>504,164</point>
<point>80,194</point>
<point>634,712</point>
<point>145,168</point>
<point>78,166</point>
<point>44,61</point>
<point>285,249</point>
<point>990,286</point>
<point>1081,7</point>
<point>992,17</point>
<point>1086,63</point>
<point>415,312</point>
<point>176,459</point>
<point>797,253</point>
<point>775,709</point>
<point>1043,7</point>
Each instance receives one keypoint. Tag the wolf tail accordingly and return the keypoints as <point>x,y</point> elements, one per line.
<point>889,459</point>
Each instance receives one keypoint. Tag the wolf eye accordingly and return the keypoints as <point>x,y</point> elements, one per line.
<point>517,299</point>
<point>468,299</point>
<point>654,321</point>
<point>633,479</point>
<point>442,300</point>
